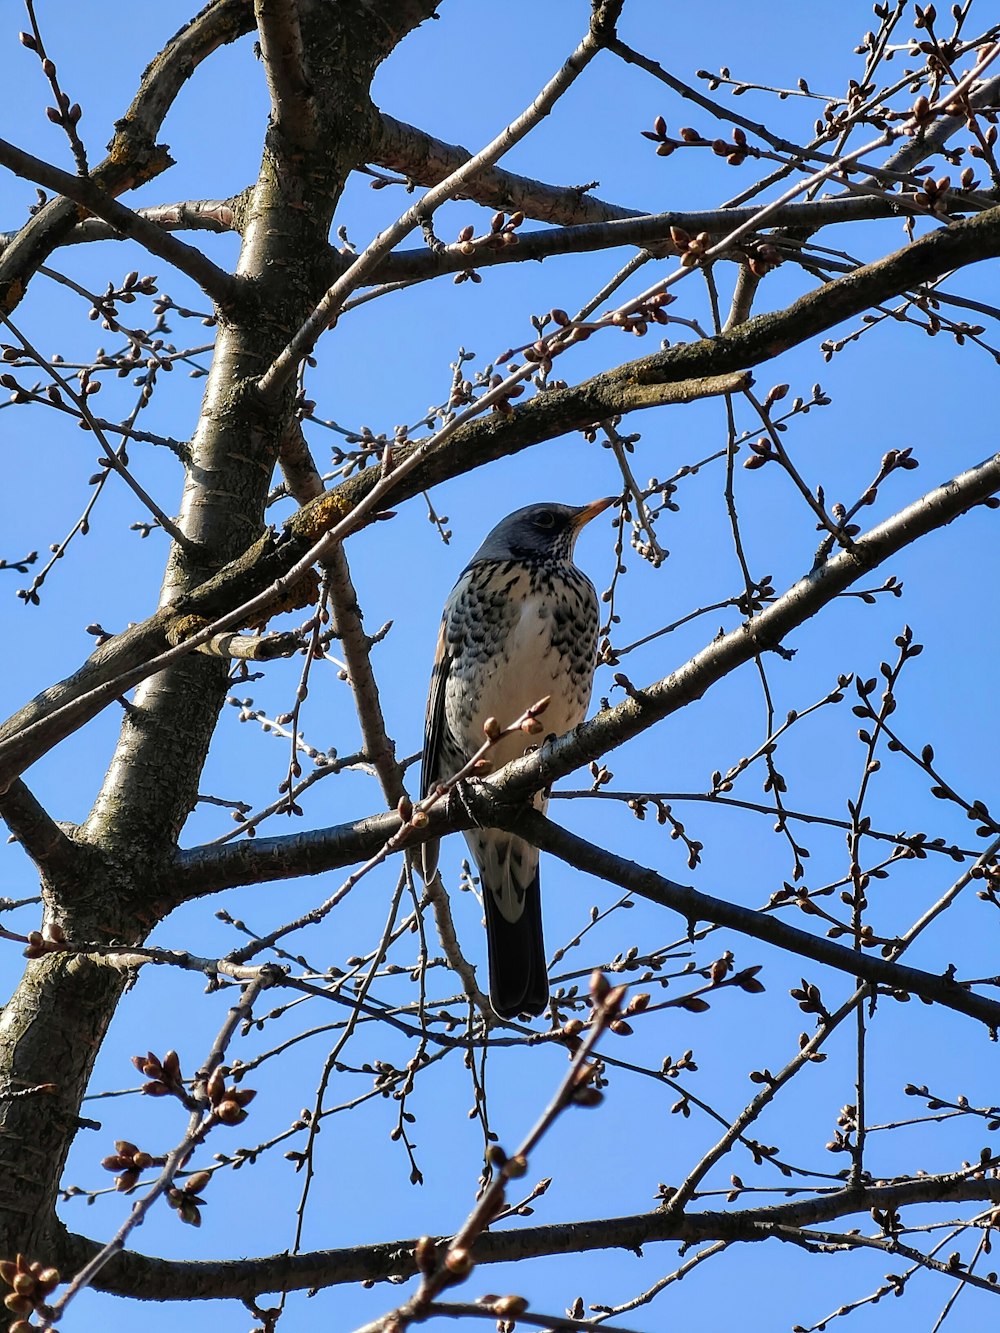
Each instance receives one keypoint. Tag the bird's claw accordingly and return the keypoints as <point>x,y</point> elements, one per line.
<point>460,793</point>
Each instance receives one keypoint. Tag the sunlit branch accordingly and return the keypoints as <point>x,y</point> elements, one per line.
<point>43,840</point>
<point>163,1279</point>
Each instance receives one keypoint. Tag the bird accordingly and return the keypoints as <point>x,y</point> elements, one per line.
<point>521,623</point>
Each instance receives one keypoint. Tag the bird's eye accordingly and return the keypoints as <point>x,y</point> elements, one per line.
<point>546,519</point>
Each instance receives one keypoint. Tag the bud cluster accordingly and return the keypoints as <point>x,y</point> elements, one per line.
<point>30,1286</point>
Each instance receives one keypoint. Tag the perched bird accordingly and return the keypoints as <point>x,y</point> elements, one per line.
<point>521,623</point>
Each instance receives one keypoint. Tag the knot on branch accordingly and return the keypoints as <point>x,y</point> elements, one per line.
<point>604,20</point>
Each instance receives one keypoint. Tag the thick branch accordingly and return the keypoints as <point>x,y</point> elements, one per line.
<point>764,632</point>
<point>304,483</point>
<point>695,906</point>
<point>293,108</point>
<point>163,1279</point>
<point>359,271</point>
<point>260,572</point>
<point>427,161</point>
<point>417,265</point>
<point>635,229</point>
<point>57,858</point>
<point>201,871</point>
<point>215,215</point>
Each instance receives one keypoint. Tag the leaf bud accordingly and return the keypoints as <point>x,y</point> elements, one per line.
<point>587,1097</point>
<point>425,1254</point>
<point>230,1112</point>
<point>458,1261</point>
<point>599,986</point>
<point>516,1167</point>
<point>509,1307</point>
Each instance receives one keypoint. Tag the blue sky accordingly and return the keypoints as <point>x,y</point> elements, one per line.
<point>462,78</point>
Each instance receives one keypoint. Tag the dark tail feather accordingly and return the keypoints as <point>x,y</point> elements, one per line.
<point>519,981</point>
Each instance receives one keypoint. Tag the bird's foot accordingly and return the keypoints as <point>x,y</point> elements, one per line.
<point>462,794</point>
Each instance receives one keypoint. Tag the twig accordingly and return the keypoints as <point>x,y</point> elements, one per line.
<point>454,1261</point>
<point>327,309</point>
<point>200,1123</point>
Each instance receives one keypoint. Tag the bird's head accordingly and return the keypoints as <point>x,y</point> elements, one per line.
<point>540,531</point>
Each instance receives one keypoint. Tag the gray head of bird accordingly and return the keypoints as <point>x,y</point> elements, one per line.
<point>540,531</point>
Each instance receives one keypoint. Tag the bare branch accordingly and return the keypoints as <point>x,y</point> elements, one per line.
<point>359,271</point>
<point>377,748</point>
<point>428,161</point>
<point>293,108</point>
<point>162,1279</point>
<point>214,281</point>
<point>135,156</point>
<point>695,906</point>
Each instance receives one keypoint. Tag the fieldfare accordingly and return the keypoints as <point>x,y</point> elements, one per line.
<point>521,623</point>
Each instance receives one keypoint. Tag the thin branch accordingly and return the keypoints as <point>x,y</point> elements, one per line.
<point>636,384</point>
<point>202,1119</point>
<point>203,871</point>
<point>900,839</point>
<point>359,271</point>
<point>114,462</point>
<point>134,156</point>
<point>501,1308</point>
<point>377,747</point>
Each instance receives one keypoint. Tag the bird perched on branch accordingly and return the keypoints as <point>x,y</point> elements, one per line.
<point>521,624</point>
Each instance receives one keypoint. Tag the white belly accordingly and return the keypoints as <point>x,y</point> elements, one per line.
<point>528,669</point>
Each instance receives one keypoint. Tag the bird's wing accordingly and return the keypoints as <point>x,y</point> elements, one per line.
<point>434,723</point>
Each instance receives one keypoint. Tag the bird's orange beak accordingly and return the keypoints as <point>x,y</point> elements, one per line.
<point>586,512</point>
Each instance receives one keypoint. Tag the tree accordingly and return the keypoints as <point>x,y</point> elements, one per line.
<point>806,675</point>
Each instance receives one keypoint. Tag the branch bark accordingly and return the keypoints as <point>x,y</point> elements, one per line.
<point>427,161</point>
<point>56,857</point>
<point>163,1279</point>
